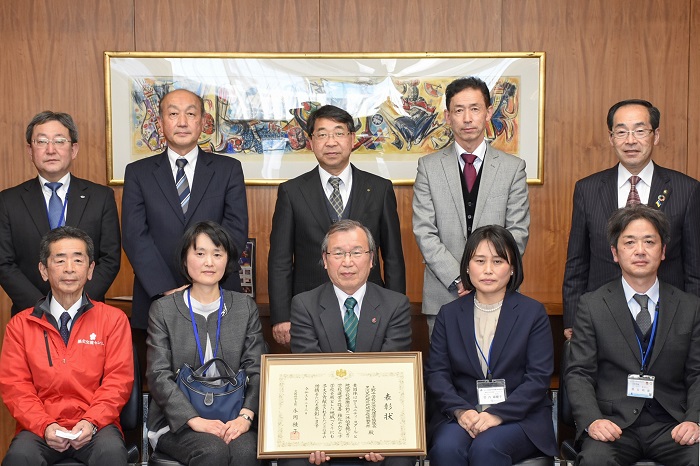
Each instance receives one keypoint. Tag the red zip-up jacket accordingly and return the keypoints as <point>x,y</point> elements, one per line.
<point>43,381</point>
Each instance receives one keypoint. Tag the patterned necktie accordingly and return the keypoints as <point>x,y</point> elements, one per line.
<point>643,318</point>
<point>183,187</point>
<point>350,323</point>
<point>55,205</point>
<point>65,317</point>
<point>336,200</point>
<point>633,197</point>
<point>469,170</point>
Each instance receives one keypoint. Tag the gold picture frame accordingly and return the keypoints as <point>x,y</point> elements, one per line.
<point>256,106</point>
<point>344,404</point>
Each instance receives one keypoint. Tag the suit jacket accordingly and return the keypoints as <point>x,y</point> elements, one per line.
<point>317,325</point>
<point>439,222</point>
<point>604,351</point>
<point>171,344</point>
<point>521,353</point>
<point>23,222</point>
<point>589,262</point>
<point>301,221</point>
<point>153,223</point>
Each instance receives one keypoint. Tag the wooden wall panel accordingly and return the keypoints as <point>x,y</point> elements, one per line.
<point>598,52</point>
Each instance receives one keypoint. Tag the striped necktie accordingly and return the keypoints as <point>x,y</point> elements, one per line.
<point>183,187</point>
<point>350,323</point>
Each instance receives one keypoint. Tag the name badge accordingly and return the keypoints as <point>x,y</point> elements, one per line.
<point>640,386</point>
<point>490,392</point>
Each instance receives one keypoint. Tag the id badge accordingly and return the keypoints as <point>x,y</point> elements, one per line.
<point>640,386</point>
<point>491,392</point>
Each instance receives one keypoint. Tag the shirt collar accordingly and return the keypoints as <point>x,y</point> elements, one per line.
<point>652,293</point>
<point>191,157</point>
<point>345,176</point>
<point>65,181</point>
<point>480,151</point>
<point>623,175</point>
<point>359,296</point>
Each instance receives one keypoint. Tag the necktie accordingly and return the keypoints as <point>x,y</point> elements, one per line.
<point>183,187</point>
<point>350,323</point>
<point>469,170</point>
<point>643,318</point>
<point>55,205</point>
<point>633,197</point>
<point>336,200</point>
<point>65,317</point>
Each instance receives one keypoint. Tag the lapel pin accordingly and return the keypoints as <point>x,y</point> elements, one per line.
<point>661,199</point>
<point>374,320</point>
<point>82,197</point>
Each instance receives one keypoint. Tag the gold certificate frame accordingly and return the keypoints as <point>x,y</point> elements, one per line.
<point>345,404</point>
<point>257,106</point>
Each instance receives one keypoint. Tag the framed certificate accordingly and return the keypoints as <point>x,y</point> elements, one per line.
<point>344,404</point>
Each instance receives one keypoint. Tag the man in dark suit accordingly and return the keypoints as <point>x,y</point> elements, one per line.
<point>634,369</point>
<point>55,198</point>
<point>166,193</point>
<point>308,205</point>
<point>349,313</point>
<point>634,131</point>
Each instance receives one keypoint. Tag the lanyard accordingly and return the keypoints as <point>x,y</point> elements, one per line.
<point>488,365</point>
<point>645,354</point>
<point>61,219</point>
<point>194,324</point>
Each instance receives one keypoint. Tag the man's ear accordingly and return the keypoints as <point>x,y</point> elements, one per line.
<point>44,272</point>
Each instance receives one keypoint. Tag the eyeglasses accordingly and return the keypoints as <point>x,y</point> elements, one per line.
<point>639,133</point>
<point>58,143</point>
<point>340,255</point>
<point>335,135</point>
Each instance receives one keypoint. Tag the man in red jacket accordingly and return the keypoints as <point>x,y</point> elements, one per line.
<point>67,364</point>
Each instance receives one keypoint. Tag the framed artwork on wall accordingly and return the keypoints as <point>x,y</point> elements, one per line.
<point>257,105</point>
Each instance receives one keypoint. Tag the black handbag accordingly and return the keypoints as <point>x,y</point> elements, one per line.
<point>220,397</point>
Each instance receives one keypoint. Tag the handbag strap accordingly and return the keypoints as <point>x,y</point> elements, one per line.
<point>229,374</point>
<point>194,325</point>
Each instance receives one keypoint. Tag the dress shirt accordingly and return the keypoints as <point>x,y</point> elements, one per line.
<point>643,185</point>
<point>344,186</point>
<point>191,158</point>
<point>57,310</point>
<point>652,293</point>
<point>359,296</point>
<point>480,153</point>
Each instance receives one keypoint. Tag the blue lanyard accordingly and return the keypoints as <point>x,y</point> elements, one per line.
<point>488,365</point>
<point>194,324</point>
<point>61,219</point>
<point>645,354</point>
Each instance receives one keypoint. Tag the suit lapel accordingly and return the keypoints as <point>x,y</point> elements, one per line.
<point>506,323</point>
<point>331,321</point>
<point>668,305</point>
<point>489,171</point>
<point>452,174</point>
<point>35,204</point>
<point>358,194</point>
<point>203,174</point>
<point>617,306</point>
<point>608,191</point>
<point>312,192</point>
<point>466,330</point>
<point>164,178</point>
<point>77,201</point>
<point>660,189</point>
<point>370,318</point>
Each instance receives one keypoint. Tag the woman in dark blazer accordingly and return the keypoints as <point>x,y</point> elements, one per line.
<point>175,428</point>
<point>491,337</point>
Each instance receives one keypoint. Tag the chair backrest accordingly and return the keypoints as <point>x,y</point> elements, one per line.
<point>564,408</point>
<point>132,413</point>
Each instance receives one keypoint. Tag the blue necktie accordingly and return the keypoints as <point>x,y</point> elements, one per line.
<point>63,330</point>
<point>183,187</point>
<point>350,323</point>
<point>55,205</point>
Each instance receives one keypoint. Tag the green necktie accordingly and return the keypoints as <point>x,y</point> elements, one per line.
<point>350,323</point>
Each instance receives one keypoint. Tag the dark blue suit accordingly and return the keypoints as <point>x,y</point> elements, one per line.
<point>153,224</point>
<point>522,354</point>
